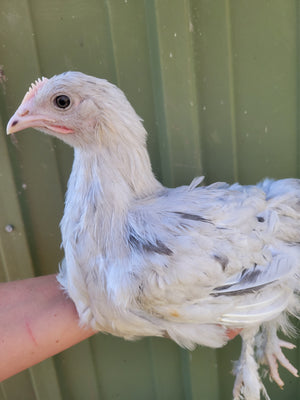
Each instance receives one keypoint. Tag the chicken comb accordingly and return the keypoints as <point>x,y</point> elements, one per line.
<point>34,87</point>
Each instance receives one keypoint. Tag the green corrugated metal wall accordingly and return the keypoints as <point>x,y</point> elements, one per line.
<point>217,84</point>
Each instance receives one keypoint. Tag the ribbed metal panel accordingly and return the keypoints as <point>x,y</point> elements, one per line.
<point>217,84</point>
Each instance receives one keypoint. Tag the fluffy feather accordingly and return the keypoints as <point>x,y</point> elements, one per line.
<point>189,263</point>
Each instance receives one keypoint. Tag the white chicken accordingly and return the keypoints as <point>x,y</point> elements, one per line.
<point>195,264</point>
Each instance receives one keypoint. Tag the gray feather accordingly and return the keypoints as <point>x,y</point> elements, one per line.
<point>255,278</point>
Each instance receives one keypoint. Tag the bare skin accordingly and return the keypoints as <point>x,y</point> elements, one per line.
<point>37,320</point>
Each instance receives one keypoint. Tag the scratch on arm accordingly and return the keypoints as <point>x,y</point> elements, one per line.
<point>30,333</point>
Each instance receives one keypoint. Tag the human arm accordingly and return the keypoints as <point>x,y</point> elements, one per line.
<point>37,320</point>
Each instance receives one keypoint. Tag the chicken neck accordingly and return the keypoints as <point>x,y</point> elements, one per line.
<point>103,186</point>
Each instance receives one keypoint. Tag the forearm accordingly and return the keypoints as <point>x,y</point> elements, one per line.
<point>37,320</point>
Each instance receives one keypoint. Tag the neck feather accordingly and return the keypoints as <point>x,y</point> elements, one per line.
<point>121,172</point>
<point>102,187</point>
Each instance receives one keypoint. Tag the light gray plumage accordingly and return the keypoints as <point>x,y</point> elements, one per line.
<point>192,263</point>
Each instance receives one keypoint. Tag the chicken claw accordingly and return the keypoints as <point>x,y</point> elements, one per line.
<point>273,356</point>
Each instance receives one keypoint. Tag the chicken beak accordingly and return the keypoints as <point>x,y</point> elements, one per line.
<point>22,120</point>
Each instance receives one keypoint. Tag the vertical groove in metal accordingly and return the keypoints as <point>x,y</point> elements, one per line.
<point>77,373</point>
<point>94,372</point>
<point>265,84</point>
<point>19,387</point>
<point>111,41</point>
<point>210,39</point>
<point>131,60</point>
<point>15,254</point>
<point>2,393</point>
<point>186,374</point>
<point>52,159</point>
<point>176,63</point>
<point>155,370</point>
<point>195,130</point>
<point>297,39</point>
<point>165,358</point>
<point>41,73</point>
<point>158,89</point>
<point>204,373</point>
<point>44,381</point>
<point>231,86</point>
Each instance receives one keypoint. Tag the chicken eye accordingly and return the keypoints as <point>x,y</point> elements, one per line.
<point>62,101</point>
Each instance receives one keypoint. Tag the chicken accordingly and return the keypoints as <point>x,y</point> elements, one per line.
<point>195,264</point>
